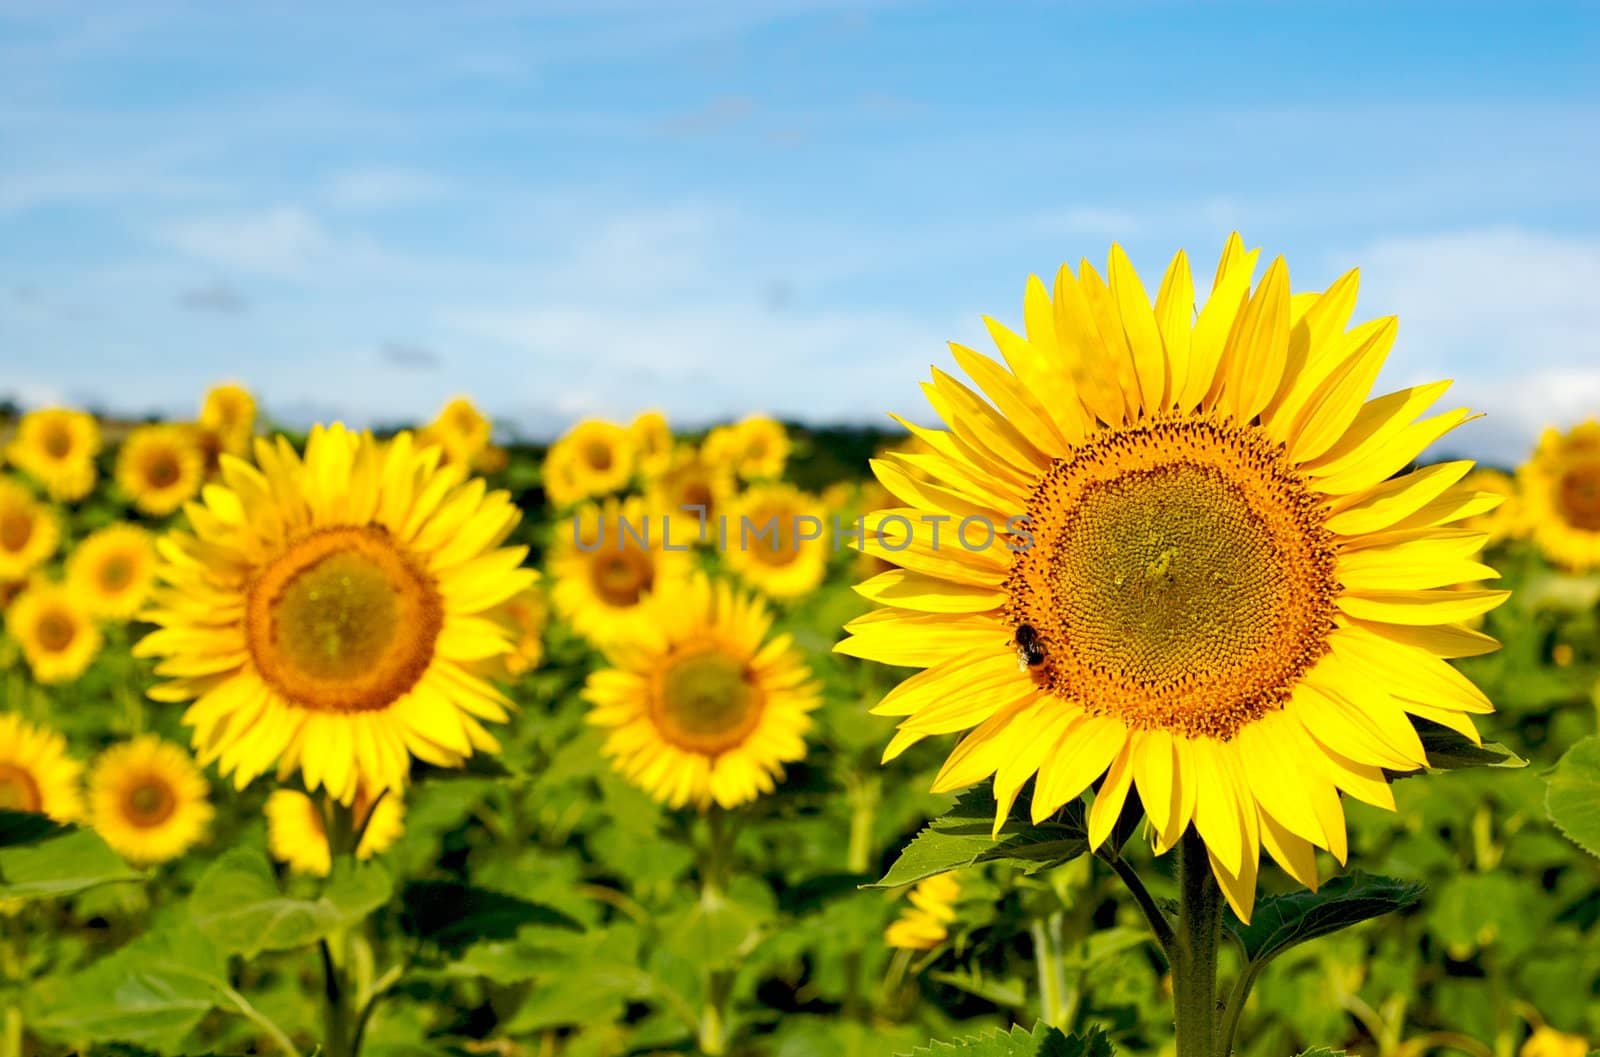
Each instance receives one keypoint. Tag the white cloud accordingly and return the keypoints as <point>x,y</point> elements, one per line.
<point>282,241</point>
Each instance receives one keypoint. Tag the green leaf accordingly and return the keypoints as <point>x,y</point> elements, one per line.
<point>1321,1051</point>
<point>1281,922</point>
<point>1449,751</point>
<point>151,993</point>
<point>237,903</point>
<point>26,827</point>
<point>60,863</point>
<point>454,916</point>
<point>717,931</point>
<point>1573,798</point>
<point>963,836</point>
<point>1001,990</point>
<point>1042,1041</point>
<point>356,889</point>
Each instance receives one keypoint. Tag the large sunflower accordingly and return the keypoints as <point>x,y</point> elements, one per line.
<point>1220,595</point>
<point>57,635</point>
<point>1561,489</point>
<point>29,532</point>
<point>57,447</point>
<point>160,468</point>
<point>702,705</point>
<point>148,800</point>
<point>112,572</point>
<point>607,561</point>
<point>324,611</point>
<point>776,540</point>
<point>36,774</point>
<point>297,834</point>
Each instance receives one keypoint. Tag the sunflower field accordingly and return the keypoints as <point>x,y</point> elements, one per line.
<point>1228,714</point>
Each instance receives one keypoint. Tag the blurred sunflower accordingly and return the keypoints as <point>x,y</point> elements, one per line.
<point>160,467</point>
<point>595,458</point>
<point>148,800</point>
<point>324,610</point>
<point>524,617</point>
<point>756,448</point>
<point>1561,489</point>
<point>926,923</point>
<point>112,572</point>
<point>1548,1042</point>
<point>689,493</point>
<point>701,705</point>
<point>1231,604</point>
<point>57,635</point>
<point>57,448</point>
<point>36,774</point>
<point>297,835</point>
<point>29,531</point>
<point>776,540</point>
<point>460,429</point>
<point>606,562</point>
<point>228,418</point>
<point>1506,521</point>
<point>652,442</point>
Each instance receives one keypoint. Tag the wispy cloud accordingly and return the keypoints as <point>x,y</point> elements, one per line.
<point>217,298</point>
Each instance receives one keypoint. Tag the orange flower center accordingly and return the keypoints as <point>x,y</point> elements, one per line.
<point>343,621</point>
<point>116,573</point>
<point>621,577</point>
<point>55,630</point>
<point>598,454</point>
<point>18,790</point>
<point>705,701</point>
<point>1580,496</point>
<point>16,529</point>
<point>57,441</point>
<point>162,469</point>
<point>148,802</point>
<point>1179,577</point>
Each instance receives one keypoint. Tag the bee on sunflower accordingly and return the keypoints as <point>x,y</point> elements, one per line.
<point>1237,604</point>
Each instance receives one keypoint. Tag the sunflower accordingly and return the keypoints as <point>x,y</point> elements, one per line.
<point>297,834</point>
<point>1506,521</point>
<point>322,613</point>
<point>594,458</point>
<point>56,633</point>
<point>702,705</point>
<point>1548,1042</point>
<point>148,800</point>
<point>160,468</point>
<point>112,572</point>
<point>1561,489</point>
<point>36,774</point>
<point>652,442</point>
<point>775,540</point>
<point>460,429</point>
<point>56,447</point>
<point>756,448</point>
<point>1204,582</point>
<point>689,494</point>
<point>607,561</point>
<point>926,923</point>
<point>524,618</point>
<point>29,531</point>
<point>228,415</point>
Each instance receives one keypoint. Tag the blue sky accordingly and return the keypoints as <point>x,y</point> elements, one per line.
<point>571,208</point>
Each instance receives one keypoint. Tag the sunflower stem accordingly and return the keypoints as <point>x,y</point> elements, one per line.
<point>714,868</point>
<point>339,1037</point>
<point>1194,961</point>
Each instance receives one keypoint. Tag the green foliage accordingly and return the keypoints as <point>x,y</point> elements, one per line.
<point>1042,1041</point>
<point>239,906</point>
<point>963,836</point>
<point>1281,922</point>
<point>454,916</point>
<point>57,861</point>
<point>1573,799</point>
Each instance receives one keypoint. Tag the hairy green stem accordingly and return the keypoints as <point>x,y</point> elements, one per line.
<point>1194,962</point>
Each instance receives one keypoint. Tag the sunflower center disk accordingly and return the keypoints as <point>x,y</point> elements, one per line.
<point>58,443</point>
<point>773,538</point>
<point>149,803</point>
<point>16,529</point>
<point>706,702</point>
<point>55,631</point>
<point>162,470</point>
<point>1580,496</point>
<point>343,622</point>
<point>116,573</point>
<point>1179,578</point>
<point>621,577</point>
<point>18,790</point>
